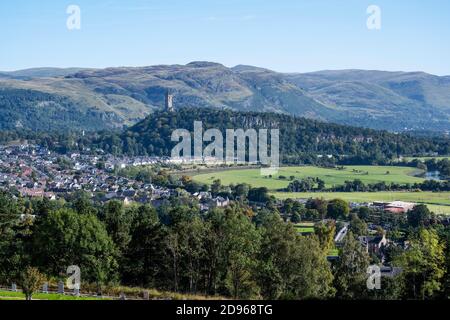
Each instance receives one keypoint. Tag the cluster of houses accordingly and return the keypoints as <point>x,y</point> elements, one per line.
<point>207,201</point>
<point>375,245</point>
<point>35,171</point>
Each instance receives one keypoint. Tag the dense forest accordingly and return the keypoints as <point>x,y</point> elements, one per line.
<point>39,111</point>
<point>301,140</point>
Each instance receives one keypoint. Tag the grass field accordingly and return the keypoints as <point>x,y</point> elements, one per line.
<point>8,295</point>
<point>368,174</point>
<point>439,202</point>
<point>304,227</point>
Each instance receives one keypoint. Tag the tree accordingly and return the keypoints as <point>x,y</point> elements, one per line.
<point>216,187</point>
<point>423,265</point>
<point>363,213</point>
<point>65,238</point>
<point>215,262</point>
<point>241,191</point>
<point>259,195</point>
<point>296,218</point>
<point>288,206</point>
<point>242,243</point>
<point>118,223</point>
<point>325,233</point>
<point>14,233</point>
<point>320,184</point>
<point>318,204</point>
<point>419,216</point>
<point>358,226</point>
<point>31,281</point>
<point>187,247</point>
<point>83,204</point>
<point>391,289</point>
<point>144,256</point>
<point>338,208</point>
<point>351,268</point>
<point>445,236</point>
<point>291,266</point>
<point>313,278</point>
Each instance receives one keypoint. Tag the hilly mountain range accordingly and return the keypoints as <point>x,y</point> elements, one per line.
<point>92,99</point>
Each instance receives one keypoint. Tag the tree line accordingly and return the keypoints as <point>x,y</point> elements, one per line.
<point>310,184</point>
<point>302,141</point>
<point>241,251</point>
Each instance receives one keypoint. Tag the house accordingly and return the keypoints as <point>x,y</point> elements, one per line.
<point>220,202</point>
<point>23,217</point>
<point>202,195</point>
<point>32,192</point>
<point>373,244</point>
<point>129,193</point>
<point>110,196</point>
<point>126,201</point>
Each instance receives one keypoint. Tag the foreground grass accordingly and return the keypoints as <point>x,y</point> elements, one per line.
<point>438,202</point>
<point>130,293</point>
<point>332,177</point>
<point>7,295</point>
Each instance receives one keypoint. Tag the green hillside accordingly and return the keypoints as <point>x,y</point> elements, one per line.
<point>301,140</point>
<point>114,97</point>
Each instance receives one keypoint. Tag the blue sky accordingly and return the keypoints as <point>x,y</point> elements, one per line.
<point>284,35</point>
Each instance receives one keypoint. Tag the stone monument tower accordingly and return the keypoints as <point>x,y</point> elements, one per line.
<point>169,101</point>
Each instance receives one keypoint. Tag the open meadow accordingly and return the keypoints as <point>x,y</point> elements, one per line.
<point>332,177</point>
<point>439,202</point>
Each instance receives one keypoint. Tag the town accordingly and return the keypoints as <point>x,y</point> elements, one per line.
<point>34,171</point>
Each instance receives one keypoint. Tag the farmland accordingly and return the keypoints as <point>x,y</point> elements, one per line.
<point>439,202</point>
<point>332,177</point>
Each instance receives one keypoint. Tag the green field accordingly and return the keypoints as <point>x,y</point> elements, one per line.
<point>439,202</point>
<point>332,177</point>
<point>304,227</point>
<point>8,295</point>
